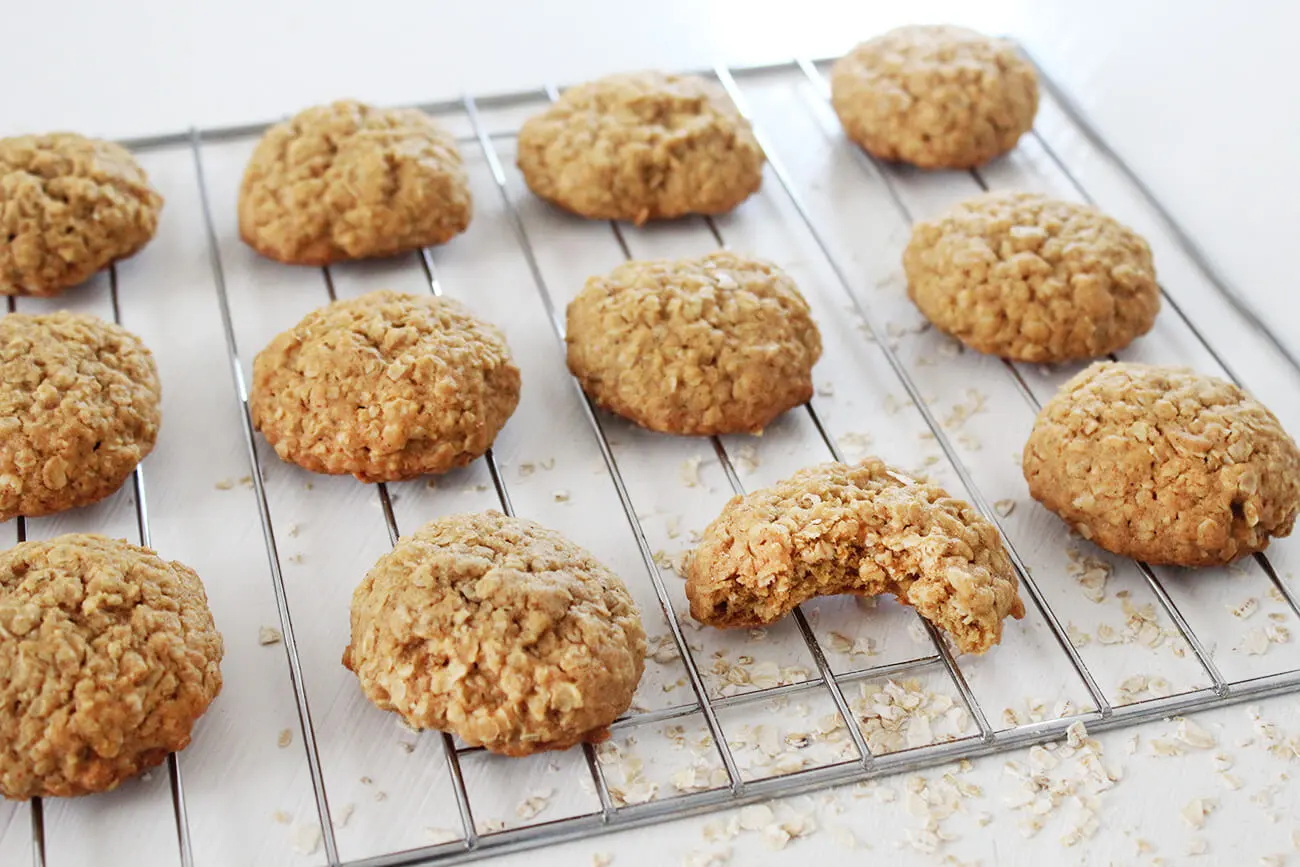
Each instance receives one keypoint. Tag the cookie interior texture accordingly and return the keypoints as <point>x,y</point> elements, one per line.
<point>79,409</point>
<point>1030,278</point>
<point>718,344</point>
<point>384,386</point>
<point>108,655</point>
<point>935,96</point>
<point>69,206</point>
<point>863,529</point>
<point>641,146</point>
<point>1164,465</point>
<point>500,631</point>
<point>351,181</point>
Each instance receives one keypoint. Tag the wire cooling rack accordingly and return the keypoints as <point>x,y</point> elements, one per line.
<point>841,691</point>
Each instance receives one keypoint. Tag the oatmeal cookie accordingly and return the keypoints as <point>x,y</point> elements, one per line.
<point>863,529</point>
<point>1163,464</point>
<point>79,409</point>
<point>500,631</point>
<point>935,96</point>
<point>384,386</point>
<point>718,344</point>
<point>108,655</point>
<point>641,146</point>
<point>350,181</point>
<point>1025,277</point>
<point>69,206</point>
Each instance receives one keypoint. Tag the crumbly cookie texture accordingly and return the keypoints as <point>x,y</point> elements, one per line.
<point>1164,465</point>
<point>717,344</point>
<point>935,96</point>
<point>1026,277</point>
<point>350,181</point>
<point>108,654</point>
<point>69,206</point>
<point>384,386</point>
<point>500,631</point>
<point>79,409</point>
<point>863,529</point>
<point>641,146</point>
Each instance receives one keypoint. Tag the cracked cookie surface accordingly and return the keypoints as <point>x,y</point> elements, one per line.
<point>1164,465</point>
<point>641,146</point>
<point>79,409</point>
<point>351,181</point>
<point>863,529</point>
<point>716,344</point>
<point>385,387</point>
<point>500,631</point>
<point>935,96</point>
<point>1030,278</point>
<point>108,655</point>
<point>69,206</point>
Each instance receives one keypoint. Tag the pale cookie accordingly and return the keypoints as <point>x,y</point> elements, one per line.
<point>641,146</point>
<point>79,409</point>
<point>1025,277</point>
<point>1164,465</point>
<point>718,344</point>
<point>497,630</point>
<point>935,96</point>
<point>384,386</point>
<point>69,206</point>
<point>350,181</point>
<point>108,655</point>
<point>863,529</point>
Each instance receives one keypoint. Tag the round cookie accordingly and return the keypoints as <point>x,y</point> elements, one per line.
<point>500,631</point>
<point>79,409</point>
<point>1164,465</point>
<point>1026,277</point>
<point>935,96</point>
<point>641,146</point>
<point>718,344</point>
<point>108,655</point>
<point>350,181</point>
<point>864,529</point>
<point>384,386</point>
<point>69,206</point>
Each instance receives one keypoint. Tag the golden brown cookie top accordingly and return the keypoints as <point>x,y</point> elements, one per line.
<point>384,386</point>
<point>500,631</point>
<point>722,343</point>
<point>79,409</point>
<point>865,529</point>
<point>1164,464</point>
<point>351,181</point>
<point>641,146</point>
<point>108,654</point>
<point>1031,278</point>
<point>69,206</point>
<point>935,96</point>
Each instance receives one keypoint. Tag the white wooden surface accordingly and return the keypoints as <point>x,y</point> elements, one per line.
<point>250,800</point>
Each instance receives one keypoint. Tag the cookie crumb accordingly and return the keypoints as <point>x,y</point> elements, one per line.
<point>690,471</point>
<point>224,485</point>
<point>285,738</point>
<point>561,496</point>
<point>548,464</point>
<point>280,817</point>
<point>1004,507</point>
<point>306,839</point>
<point>344,815</point>
<point>601,859</point>
<point>534,804</point>
<point>268,635</point>
<point>437,836</point>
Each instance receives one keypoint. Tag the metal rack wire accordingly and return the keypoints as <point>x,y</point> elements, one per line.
<point>610,816</point>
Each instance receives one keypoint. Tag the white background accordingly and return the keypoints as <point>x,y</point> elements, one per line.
<point>1197,97</point>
